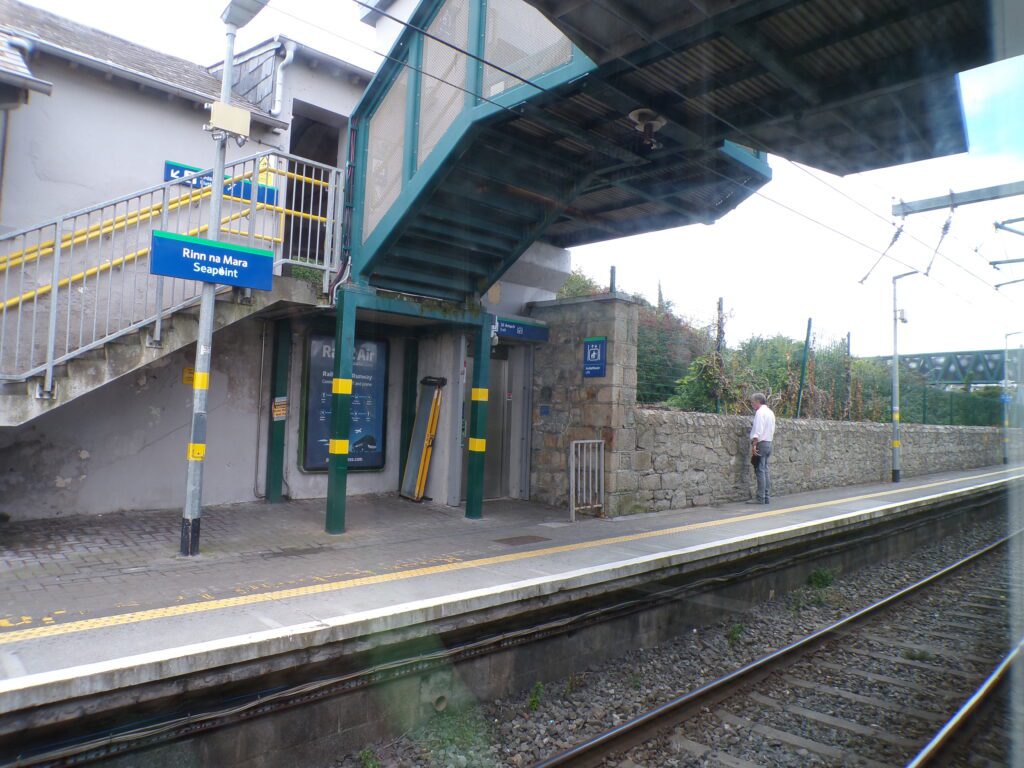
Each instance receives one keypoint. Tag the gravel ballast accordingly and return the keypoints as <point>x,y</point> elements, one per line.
<point>521,729</point>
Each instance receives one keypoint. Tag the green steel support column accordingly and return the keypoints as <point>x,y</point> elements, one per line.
<point>477,34</point>
<point>410,368</point>
<point>341,402</point>
<point>478,420</point>
<point>280,359</point>
<point>412,108</point>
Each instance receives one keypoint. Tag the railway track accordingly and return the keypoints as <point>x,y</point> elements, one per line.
<point>872,689</point>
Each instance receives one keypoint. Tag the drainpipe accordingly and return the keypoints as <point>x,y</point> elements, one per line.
<point>289,56</point>
<point>25,48</point>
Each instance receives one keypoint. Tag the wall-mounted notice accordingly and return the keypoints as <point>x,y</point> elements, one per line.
<point>232,187</point>
<point>369,396</point>
<point>595,356</point>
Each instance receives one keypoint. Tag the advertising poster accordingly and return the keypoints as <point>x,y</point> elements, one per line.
<point>369,395</point>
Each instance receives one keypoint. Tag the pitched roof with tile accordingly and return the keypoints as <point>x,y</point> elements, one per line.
<point>58,35</point>
<point>14,69</point>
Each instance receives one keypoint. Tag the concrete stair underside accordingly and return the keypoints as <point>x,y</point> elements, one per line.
<point>21,401</point>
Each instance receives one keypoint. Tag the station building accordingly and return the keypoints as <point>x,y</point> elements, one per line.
<point>418,220</point>
<point>111,437</point>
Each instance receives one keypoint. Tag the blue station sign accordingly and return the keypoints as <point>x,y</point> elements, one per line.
<point>193,258</point>
<point>520,330</point>
<point>595,357</point>
<point>180,172</point>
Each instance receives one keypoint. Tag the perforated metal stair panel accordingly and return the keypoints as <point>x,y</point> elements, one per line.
<point>522,41</point>
<point>440,103</point>
<point>385,154</point>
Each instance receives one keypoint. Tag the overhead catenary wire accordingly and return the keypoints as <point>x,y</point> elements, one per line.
<point>878,215</point>
<point>895,238</point>
<point>945,231</point>
<point>518,114</point>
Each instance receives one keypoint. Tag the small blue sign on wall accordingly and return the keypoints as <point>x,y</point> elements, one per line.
<point>595,356</point>
<point>179,171</point>
<point>520,329</point>
<point>193,258</point>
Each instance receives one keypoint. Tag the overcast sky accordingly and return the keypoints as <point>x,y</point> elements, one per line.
<point>774,268</point>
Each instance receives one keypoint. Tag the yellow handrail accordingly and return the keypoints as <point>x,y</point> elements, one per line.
<point>298,176</point>
<point>86,235</point>
<point>112,225</point>
<point>106,266</point>
<point>117,223</point>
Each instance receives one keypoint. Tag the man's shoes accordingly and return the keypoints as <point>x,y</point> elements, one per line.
<point>767,502</point>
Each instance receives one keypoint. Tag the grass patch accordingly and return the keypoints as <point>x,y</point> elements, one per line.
<point>807,598</point>
<point>822,578</point>
<point>536,693</point>
<point>734,633</point>
<point>572,683</point>
<point>368,759</point>
<point>311,275</point>
<point>463,731</point>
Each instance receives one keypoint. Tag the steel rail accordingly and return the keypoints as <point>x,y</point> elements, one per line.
<point>934,749</point>
<point>642,728</point>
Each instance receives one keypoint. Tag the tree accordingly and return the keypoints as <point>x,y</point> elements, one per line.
<point>578,284</point>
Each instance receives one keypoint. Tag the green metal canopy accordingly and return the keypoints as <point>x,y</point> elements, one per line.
<point>461,165</point>
<point>497,123</point>
<point>842,85</point>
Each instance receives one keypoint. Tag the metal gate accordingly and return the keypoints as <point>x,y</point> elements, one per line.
<point>586,476</point>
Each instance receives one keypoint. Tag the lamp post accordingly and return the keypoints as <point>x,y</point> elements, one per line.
<point>1004,396</point>
<point>896,379</point>
<point>237,14</point>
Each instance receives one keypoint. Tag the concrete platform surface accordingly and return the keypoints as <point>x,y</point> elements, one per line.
<point>91,604</point>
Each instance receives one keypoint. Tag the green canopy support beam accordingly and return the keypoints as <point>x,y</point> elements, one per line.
<point>341,403</point>
<point>478,420</point>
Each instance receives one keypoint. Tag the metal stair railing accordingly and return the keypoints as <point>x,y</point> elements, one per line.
<point>76,282</point>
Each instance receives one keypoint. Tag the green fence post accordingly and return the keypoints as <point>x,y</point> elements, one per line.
<point>924,404</point>
<point>803,368</point>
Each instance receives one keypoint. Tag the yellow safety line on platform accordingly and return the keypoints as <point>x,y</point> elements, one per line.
<point>103,622</point>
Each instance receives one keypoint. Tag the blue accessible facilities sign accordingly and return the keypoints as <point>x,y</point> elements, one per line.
<point>595,356</point>
<point>193,258</point>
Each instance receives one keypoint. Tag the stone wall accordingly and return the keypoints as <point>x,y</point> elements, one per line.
<point>665,459</point>
<point>687,459</point>
<point>567,406</point>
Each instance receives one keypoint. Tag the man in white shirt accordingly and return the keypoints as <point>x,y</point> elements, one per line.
<point>761,434</point>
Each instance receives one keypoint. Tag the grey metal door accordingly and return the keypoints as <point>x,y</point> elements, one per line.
<point>496,459</point>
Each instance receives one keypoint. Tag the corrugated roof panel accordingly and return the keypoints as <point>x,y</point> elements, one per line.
<point>602,198</point>
<point>810,21</point>
<point>718,101</point>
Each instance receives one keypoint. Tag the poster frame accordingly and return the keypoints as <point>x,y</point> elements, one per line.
<point>329,330</point>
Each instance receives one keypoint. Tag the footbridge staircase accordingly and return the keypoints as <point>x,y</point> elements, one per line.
<point>80,307</point>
